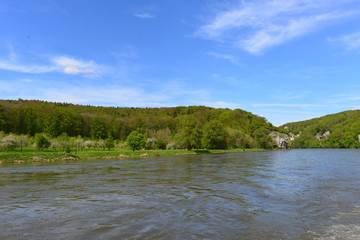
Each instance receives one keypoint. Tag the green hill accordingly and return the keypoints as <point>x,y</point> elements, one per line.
<point>231,128</point>
<point>340,130</point>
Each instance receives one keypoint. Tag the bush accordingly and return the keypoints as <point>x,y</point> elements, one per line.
<point>42,142</point>
<point>151,143</point>
<point>9,142</point>
<point>171,146</point>
<point>135,140</point>
<point>109,143</point>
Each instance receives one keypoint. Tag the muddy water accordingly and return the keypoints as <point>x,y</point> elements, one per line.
<point>297,194</point>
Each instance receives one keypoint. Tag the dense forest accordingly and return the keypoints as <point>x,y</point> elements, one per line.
<point>340,130</point>
<point>185,127</point>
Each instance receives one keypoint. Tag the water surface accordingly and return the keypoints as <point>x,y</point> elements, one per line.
<point>296,194</point>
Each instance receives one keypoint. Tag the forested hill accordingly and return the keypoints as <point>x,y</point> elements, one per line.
<point>340,130</point>
<point>234,128</point>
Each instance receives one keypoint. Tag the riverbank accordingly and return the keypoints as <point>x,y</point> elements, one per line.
<point>33,156</point>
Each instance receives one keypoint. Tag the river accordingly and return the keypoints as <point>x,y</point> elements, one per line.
<point>295,194</point>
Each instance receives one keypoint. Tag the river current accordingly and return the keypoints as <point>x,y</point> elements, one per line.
<point>295,194</point>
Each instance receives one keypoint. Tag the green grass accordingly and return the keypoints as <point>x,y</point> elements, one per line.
<point>50,155</point>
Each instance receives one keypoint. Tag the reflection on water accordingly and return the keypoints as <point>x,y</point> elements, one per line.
<point>297,194</point>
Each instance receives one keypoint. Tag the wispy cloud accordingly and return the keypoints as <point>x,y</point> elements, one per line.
<point>232,59</point>
<point>105,94</point>
<point>255,26</point>
<point>351,41</point>
<point>344,98</point>
<point>74,66</point>
<point>289,95</point>
<point>144,15</point>
<point>25,68</point>
<point>220,104</point>
<point>295,105</point>
<point>67,65</point>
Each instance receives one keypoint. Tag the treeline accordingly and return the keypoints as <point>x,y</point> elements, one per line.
<point>341,130</point>
<point>185,127</point>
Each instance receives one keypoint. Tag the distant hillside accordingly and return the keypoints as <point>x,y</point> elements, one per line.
<point>340,130</point>
<point>239,128</point>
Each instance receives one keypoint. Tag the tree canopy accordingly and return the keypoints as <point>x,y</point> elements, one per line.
<point>187,127</point>
<point>340,130</point>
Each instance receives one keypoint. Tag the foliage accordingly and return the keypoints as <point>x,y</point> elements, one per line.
<point>79,144</point>
<point>101,144</point>
<point>22,141</point>
<point>135,140</point>
<point>42,141</point>
<point>214,135</point>
<point>151,143</point>
<point>343,129</point>
<point>171,146</point>
<point>109,143</point>
<point>261,136</point>
<point>9,142</point>
<point>185,126</point>
<point>190,133</point>
<point>89,144</point>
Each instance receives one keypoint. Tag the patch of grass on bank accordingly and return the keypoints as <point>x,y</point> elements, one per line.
<point>30,155</point>
<point>50,155</point>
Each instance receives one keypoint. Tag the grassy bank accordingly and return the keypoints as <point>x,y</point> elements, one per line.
<point>29,155</point>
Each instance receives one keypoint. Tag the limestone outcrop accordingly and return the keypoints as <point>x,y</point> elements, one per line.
<point>281,139</point>
<point>320,135</point>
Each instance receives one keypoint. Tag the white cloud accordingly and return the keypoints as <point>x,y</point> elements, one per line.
<point>351,41</point>
<point>258,25</point>
<point>73,66</point>
<point>226,57</point>
<point>25,68</point>
<point>144,15</point>
<point>278,34</point>
<point>67,65</point>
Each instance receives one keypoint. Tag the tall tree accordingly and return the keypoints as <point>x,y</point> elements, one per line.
<point>214,135</point>
<point>190,133</point>
<point>98,128</point>
<point>31,122</point>
<point>2,118</point>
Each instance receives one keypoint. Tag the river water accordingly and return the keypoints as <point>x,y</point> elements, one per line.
<point>296,194</point>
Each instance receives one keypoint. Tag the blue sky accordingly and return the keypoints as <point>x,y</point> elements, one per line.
<point>285,60</point>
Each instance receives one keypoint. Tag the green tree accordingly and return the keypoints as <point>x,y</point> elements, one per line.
<point>214,135</point>
<point>30,120</point>
<point>2,118</point>
<point>65,121</point>
<point>109,143</point>
<point>98,128</point>
<point>235,138</point>
<point>135,140</point>
<point>190,133</point>
<point>64,142</point>
<point>262,138</point>
<point>42,142</point>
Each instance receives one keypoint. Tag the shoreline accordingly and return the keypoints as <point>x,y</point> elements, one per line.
<point>32,156</point>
